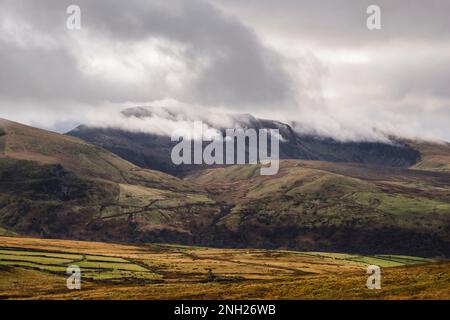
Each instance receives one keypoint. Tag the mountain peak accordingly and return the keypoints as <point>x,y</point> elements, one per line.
<point>152,150</point>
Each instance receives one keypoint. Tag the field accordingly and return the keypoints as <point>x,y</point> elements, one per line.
<point>36,269</point>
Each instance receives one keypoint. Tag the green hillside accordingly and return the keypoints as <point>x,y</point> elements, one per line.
<point>312,205</point>
<point>58,186</point>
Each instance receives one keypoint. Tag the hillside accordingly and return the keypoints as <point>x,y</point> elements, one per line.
<point>434,156</point>
<point>22,142</point>
<point>312,205</point>
<point>58,186</point>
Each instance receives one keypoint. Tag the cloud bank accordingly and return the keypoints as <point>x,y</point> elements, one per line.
<point>313,62</point>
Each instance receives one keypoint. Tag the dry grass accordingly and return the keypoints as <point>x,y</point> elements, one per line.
<point>239,274</point>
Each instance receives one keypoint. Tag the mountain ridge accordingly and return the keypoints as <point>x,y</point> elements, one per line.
<point>152,151</point>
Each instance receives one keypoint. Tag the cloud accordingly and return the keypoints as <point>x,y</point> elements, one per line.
<point>312,62</point>
<point>140,51</point>
<point>392,80</point>
<point>343,23</point>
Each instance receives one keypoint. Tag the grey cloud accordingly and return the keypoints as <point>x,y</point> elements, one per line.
<point>233,67</point>
<point>343,23</point>
<point>214,54</point>
<point>428,77</point>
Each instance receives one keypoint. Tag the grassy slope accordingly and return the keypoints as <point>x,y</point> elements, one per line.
<point>47,177</point>
<point>114,271</point>
<point>4,232</point>
<point>315,202</point>
<point>26,143</point>
<point>435,156</point>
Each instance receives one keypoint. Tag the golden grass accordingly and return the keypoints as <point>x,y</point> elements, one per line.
<point>240,274</point>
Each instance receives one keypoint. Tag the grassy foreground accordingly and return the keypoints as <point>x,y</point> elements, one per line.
<point>36,269</point>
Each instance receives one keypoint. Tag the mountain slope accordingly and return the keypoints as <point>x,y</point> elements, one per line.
<point>58,186</point>
<point>435,156</point>
<point>316,205</point>
<point>26,143</point>
<point>153,151</point>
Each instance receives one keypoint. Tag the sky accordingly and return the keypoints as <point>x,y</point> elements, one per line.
<point>312,62</point>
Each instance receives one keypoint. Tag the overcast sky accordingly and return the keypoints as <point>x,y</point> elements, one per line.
<point>314,62</point>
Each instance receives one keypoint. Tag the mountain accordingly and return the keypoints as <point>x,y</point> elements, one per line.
<point>153,150</point>
<point>59,186</point>
<point>52,185</point>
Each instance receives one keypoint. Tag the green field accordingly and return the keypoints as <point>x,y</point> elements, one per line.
<point>94,267</point>
<point>379,260</point>
<point>401,204</point>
